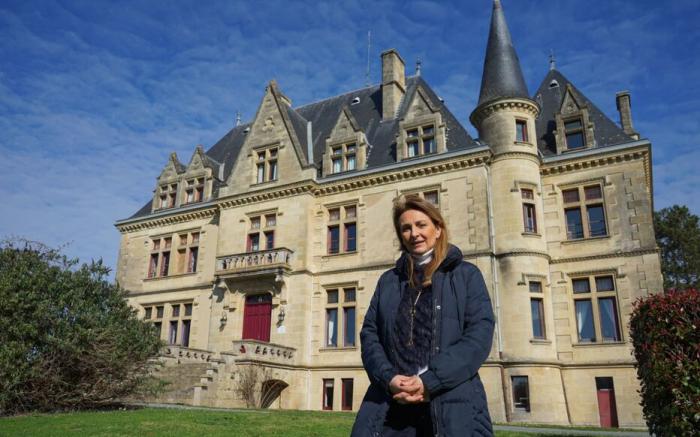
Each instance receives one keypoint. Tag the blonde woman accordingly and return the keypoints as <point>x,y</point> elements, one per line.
<point>428,329</point>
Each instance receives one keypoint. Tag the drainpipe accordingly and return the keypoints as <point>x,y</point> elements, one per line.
<point>494,270</point>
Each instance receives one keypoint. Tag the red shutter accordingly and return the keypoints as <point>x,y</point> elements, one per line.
<point>257,317</point>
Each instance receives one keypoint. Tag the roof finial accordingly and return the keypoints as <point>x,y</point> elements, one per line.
<point>552,61</point>
<point>419,64</point>
<point>238,118</point>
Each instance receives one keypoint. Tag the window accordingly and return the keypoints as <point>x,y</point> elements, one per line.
<point>529,216</point>
<point>595,306</point>
<point>584,212</point>
<point>266,165</point>
<point>573,131</point>
<point>537,310</point>
<point>432,195</point>
<point>343,157</point>
<point>265,240</point>
<point>178,323</point>
<point>521,131</point>
<point>521,393</point>
<point>167,195</point>
<point>194,190</point>
<point>346,401</point>
<point>185,260</point>
<point>342,229</point>
<point>420,141</point>
<point>341,301</point>
<point>327,394</point>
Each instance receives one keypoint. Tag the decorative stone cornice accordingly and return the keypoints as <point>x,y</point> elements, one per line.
<point>599,256</point>
<point>149,223</point>
<point>519,252</point>
<point>532,156</point>
<point>269,194</point>
<point>508,104</point>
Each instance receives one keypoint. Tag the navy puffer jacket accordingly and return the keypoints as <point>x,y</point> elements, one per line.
<point>462,337</point>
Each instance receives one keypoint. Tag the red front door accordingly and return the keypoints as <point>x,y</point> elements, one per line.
<point>256,317</point>
<point>606,402</point>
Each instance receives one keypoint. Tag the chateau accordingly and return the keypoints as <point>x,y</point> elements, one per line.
<point>261,253</point>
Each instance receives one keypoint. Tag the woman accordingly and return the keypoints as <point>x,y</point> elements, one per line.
<point>427,331</point>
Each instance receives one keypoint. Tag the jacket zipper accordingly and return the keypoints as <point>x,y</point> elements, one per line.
<point>437,302</point>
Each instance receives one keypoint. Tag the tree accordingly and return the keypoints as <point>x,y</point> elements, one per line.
<point>68,339</point>
<point>666,339</point>
<point>678,237</point>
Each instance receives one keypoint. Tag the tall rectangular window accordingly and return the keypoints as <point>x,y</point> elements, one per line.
<point>521,131</point>
<point>342,229</point>
<point>343,157</point>
<point>178,320</point>
<point>327,394</point>
<point>521,393</point>
<point>573,131</point>
<point>537,310</point>
<point>185,255</point>
<point>266,165</point>
<point>584,212</point>
<point>341,318</point>
<point>346,401</point>
<point>259,237</point>
<point>420,141</point>
<point>194,190</point>
<point>172,336</point>
<point>595,307</point>
<point>529,215</point>
<point>167,195</point>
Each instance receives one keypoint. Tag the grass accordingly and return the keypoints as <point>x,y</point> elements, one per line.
<point>149,422</point>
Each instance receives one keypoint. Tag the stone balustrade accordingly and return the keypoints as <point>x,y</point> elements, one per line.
<point>271,260</point>
<point>186,354</point>
<point>263,352</point>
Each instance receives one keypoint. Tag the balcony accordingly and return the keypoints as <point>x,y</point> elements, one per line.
<point>254,350</point>
<point>259,263</point>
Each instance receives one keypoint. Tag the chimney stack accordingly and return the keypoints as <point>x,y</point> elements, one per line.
<point>624,107</point>
<point>393,83</point>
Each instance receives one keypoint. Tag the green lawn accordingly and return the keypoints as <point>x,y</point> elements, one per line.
<point>149,422</point>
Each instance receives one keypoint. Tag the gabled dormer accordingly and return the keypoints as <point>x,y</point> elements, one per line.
<point>166,192</point>
<point>275,150</point>
<point>574,129</point>
<point>197,182</point>
<point>346,146</point>
<point>421,129</point>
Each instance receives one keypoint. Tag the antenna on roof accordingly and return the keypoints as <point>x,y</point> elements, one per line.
<point>552,61</point>
<point>369,44</point>
<point>238,118</point>
<point>419,64</point>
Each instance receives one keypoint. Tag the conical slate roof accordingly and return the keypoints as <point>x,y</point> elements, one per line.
<point>502,75</point>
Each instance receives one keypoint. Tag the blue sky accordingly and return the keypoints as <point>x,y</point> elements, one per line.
<point>95,95</point>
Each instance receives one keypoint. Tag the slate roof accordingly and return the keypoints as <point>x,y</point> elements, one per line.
<point>502,76</point>
<point>381,135</point>
<point>549,97</point>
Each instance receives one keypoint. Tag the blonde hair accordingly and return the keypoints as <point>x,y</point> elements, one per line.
<point>408,202</point>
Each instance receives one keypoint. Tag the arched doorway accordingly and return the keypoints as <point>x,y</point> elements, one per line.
<point>270,391</point>
<point>256,317</point>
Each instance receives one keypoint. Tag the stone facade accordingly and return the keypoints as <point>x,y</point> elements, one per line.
<point>284,225</point>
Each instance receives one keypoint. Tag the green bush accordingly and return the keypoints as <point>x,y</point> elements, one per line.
<point>665,331</point>
<point>68,339</point>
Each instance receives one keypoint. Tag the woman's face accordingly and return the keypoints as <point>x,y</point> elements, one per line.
<point>418,232</point>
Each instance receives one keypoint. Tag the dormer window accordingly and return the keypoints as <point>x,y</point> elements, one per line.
<point>168,194</point>
<point>194,190</point>
<point>521,131</point>
<point>420,141</point>
<point>266,165</point>
<point>573,131</point>
<point>344,157</point>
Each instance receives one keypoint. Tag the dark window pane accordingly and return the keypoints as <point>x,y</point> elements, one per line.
<point>428,130</point>
<point>527,194</point>
<point>327,394</point>
<point>148,312</point>
<point>158,326</point>
<point>273,170</point>
<point>350,237</point>
<point>535,287</point>
<point>186,333</point>
<point>159,312</point>
<point>432,197</point>
<point>584,321</point>
<point>520,131</point>
<point>521,392</point>
<point>573,125</point>
<point>269,240</point>
<point>596,221</point>
<point>349,316</point>
<point>176,310</point>
<point>253,242</point>
<point>331,327</point>
<point>529,219</point>
<point>165,260</point>
<point>429,145</point>
<point>192,265</point>
<point>333,239</point>
<point>349,295</point>
<point>575,141</point>
<point>172,336</point>
<point>537,318</point>
<point>604,283</point>
<point>412,133</point>
<point>574,223</point>
<point>188,309</point>
<point>334,214</point>
<point>593,192</point>
<point>347,394</point>
<point>332,296</point>
<point>609,326</point>
<point>570,195</point>
<point>604,383</point>
<point>581,285</point>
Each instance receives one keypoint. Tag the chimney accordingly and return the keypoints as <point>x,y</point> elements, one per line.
<point>624,107</point>
<point>393,83</point>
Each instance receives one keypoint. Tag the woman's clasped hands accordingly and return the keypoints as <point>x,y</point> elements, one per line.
<point>408,389</point>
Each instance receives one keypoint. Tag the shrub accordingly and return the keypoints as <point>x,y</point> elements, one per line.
<point>68,339</point>
<point>666,337</point>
